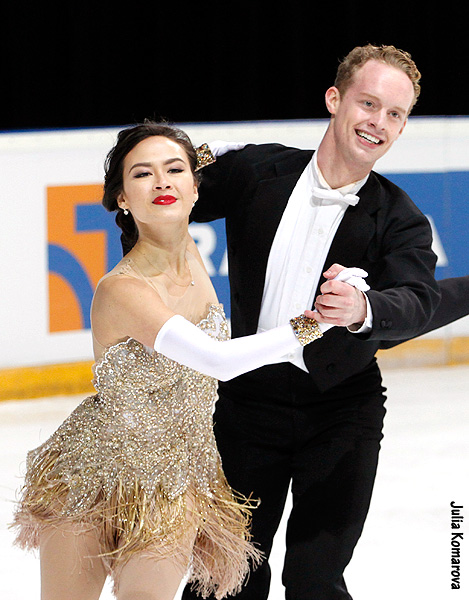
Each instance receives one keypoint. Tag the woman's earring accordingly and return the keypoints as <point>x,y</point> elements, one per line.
<point>126,212</point>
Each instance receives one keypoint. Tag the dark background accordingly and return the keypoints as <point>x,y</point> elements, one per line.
<point>80,65</point>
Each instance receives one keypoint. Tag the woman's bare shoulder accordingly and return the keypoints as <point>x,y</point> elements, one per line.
<point>121,290</point>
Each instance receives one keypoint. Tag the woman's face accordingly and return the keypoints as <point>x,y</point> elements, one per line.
<point>158,184</point>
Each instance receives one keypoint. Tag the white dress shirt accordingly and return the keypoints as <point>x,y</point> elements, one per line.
<point>300,248</point>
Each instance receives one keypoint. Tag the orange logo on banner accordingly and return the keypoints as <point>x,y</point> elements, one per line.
<point>77,253</point>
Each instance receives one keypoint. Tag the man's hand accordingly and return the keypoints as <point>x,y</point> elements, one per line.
<point>340,303</point>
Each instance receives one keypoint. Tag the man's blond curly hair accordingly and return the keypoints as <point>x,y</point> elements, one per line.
<point>389,55</point>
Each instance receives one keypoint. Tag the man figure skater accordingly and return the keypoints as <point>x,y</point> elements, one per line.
<point>315,420</point>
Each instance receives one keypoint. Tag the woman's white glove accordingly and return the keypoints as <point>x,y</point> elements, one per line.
<point>184,342</point>
<point>220,147</point>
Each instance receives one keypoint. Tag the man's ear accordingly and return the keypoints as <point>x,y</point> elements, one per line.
<point>403,127</point>
<point>332,99</point>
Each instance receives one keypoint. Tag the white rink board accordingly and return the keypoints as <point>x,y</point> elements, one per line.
<point>32,161</point>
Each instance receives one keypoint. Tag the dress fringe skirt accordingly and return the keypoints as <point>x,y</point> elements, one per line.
<point>207,534</point>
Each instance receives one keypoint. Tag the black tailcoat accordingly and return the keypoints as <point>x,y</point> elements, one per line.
<point>385,234</point>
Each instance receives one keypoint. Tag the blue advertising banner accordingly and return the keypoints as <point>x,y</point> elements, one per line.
<point>87,244</point>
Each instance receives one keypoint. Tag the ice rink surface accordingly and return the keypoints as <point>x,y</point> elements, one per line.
<point>405,551</point>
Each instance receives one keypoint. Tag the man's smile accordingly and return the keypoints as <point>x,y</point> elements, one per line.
<point>368,137</point>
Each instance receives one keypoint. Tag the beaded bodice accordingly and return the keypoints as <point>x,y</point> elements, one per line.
<point>150,421</point>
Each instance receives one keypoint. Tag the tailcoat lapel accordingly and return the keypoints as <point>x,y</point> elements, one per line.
<point>262,223</point>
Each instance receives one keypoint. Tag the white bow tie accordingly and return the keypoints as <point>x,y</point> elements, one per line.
<point>335,195</point>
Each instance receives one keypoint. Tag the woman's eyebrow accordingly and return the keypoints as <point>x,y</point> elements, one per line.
<point>149,164</point>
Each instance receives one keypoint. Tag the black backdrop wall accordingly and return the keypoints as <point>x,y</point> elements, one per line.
<point>80,65</point>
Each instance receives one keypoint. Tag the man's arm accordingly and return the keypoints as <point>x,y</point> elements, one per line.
<point>404,294</point>
<point>221,183</point>
<point>230,182</point>
<point>454,305</point>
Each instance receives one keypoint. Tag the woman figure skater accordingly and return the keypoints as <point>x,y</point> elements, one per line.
<point>131,484</point>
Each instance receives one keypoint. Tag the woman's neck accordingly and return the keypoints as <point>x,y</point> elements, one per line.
<point>164,256</point>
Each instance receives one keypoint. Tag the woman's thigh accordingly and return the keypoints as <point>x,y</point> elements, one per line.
<point>70,564</point>
<point>145,578</point>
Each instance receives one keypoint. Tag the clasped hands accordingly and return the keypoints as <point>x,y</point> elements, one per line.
<point>339,304</point>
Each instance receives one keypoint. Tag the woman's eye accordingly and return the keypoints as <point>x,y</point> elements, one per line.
<point>141,174</point>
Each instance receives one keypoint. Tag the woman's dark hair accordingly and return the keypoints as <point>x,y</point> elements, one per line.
<point>127,139</point>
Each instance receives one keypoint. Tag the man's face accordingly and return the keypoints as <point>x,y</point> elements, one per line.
<point>370,115</point>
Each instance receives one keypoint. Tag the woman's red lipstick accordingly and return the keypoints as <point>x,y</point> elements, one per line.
<point>164,200</point>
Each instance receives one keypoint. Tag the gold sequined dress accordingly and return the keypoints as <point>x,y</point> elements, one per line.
<point>138,463</point>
